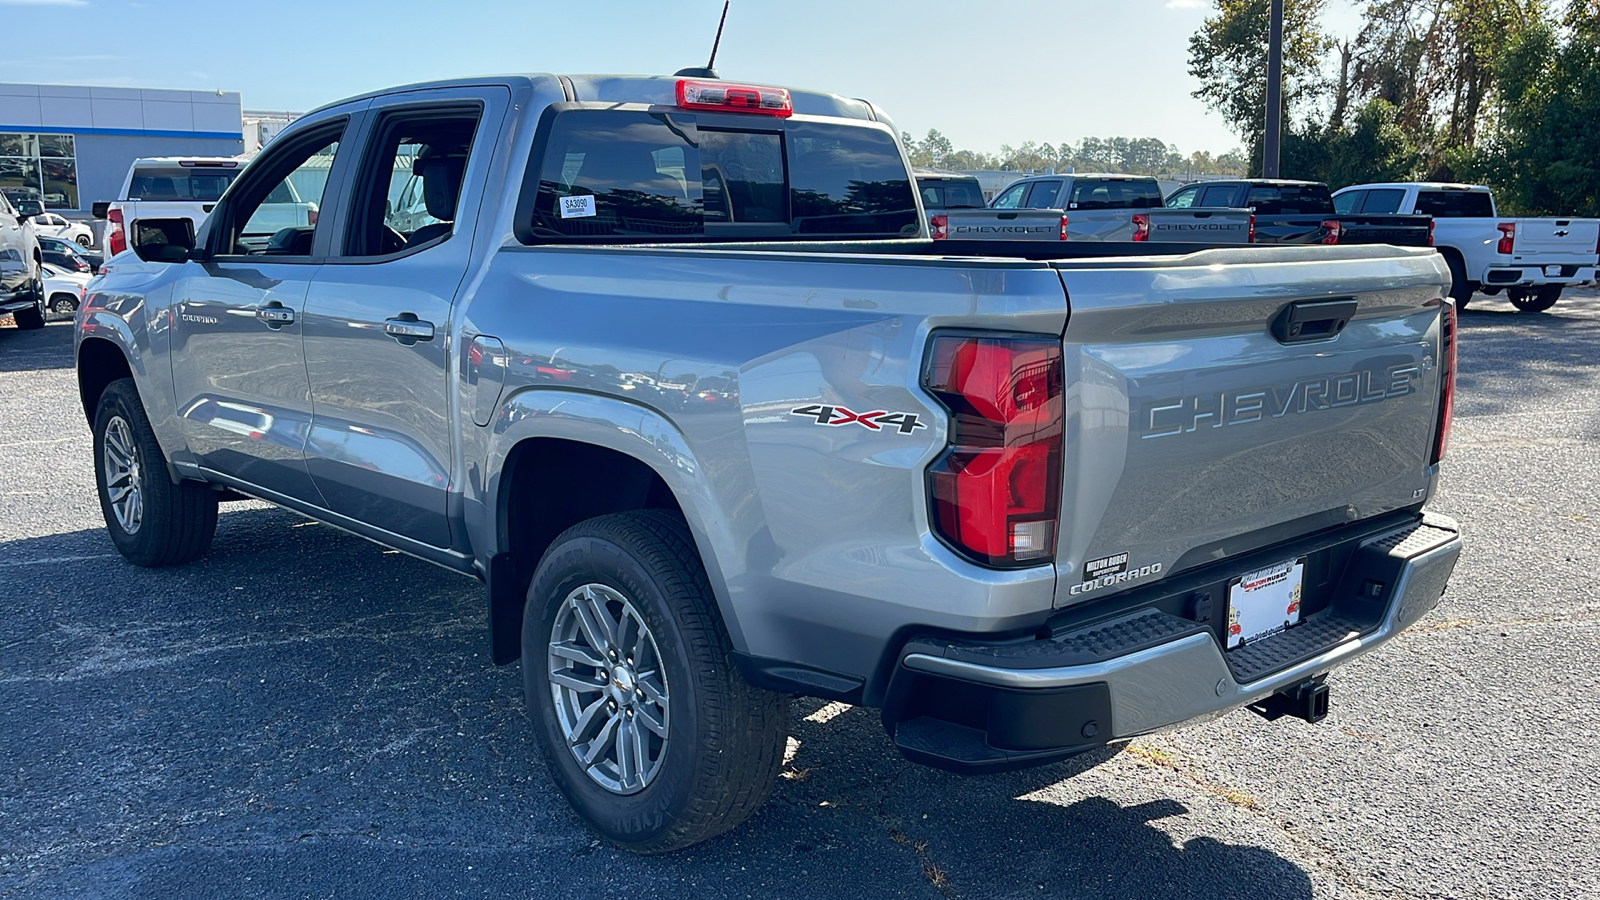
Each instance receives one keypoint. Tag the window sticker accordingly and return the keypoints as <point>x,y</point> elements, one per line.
<point>577,207</point>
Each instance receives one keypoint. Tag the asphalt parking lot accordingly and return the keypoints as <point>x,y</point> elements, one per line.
<point>304,714</point>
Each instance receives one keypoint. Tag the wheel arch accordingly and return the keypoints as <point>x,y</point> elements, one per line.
<point>568,457</point>
<point>100,362</point>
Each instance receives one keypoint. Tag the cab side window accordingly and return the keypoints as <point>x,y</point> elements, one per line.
<point>276,212</point>
<point>1011,198</point>
<point>1183,199</point>
<point>409,186</point>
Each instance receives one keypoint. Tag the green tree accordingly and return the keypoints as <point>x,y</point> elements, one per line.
<point>1229,57</point>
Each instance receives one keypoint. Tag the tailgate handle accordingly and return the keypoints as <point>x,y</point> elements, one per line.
<point>1312,320</point>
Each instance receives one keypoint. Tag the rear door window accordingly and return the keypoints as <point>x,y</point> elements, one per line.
<point>198,183</point>
<point>1114,193</point>
<point>1290,199</point>
<point>1348,202</point>
<point>618,173</point>
<point>950,194</point>
<point>1383,201</point>
<point>1455,204</point>
<point>1043,195</point>
<point>1220,195</point>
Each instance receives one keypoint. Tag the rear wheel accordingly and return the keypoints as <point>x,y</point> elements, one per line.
<point>32,317</point>
<point>152,521</point>
<point>1537,299</point>
<point>648,727</point>
<point>1460,287</point>
<point>83,240</point>
<point>61,304</point>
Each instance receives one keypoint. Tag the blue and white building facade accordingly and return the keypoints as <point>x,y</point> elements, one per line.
<point>73,145</point>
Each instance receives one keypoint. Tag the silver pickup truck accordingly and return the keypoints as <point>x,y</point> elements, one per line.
<point>678,374</point>
<point>1098,208</point>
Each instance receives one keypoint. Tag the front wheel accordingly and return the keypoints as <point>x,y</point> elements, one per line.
<point>648,727</point>
<point>1539,299</point>
<point>61,304</point>
<point>83,240</point>
<point>152,521</point>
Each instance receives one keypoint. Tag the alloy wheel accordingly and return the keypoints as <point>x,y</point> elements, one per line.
<point>124,489</point>
<point>609,688</point>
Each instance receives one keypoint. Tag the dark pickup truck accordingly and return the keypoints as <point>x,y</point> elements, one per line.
<point>1301,212</point>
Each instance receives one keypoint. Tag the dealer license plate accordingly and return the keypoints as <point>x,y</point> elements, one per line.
<point>1264,602</point>
<point>1552,271</point>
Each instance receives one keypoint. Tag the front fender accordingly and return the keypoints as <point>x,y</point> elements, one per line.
<point>627,428</point>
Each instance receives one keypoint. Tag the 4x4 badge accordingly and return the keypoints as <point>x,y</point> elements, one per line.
<point>877,420</point>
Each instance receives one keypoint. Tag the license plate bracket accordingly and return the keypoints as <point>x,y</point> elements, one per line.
<point>1265,602</point>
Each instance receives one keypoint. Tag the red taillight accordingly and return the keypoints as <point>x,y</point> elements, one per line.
<point>940,226</point>
<point>996,489</point>
<point>79,265</point>
<point>1330,231</point>
<point>1447,381</point>
<point>1508,237</point>
<point>722,97</point>
<point>116,239</point>
<point>1141,226</point>
<point>1430,232</point>
<point>1251,237</point>
<point>1063,235</point>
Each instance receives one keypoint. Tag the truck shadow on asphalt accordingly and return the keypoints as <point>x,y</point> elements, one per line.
<point>1554,350</point>
<point>302,692</point>
<point>25,351</point>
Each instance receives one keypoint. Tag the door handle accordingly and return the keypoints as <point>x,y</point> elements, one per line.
<point>276,315</point>
<point>408,329</point>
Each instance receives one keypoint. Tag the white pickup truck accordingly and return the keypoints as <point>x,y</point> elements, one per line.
<point>170,188</point>
<point>1531,259</point>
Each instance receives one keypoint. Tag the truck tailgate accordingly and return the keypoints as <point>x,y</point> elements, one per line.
<point>1209,226</point>
<point>1558,237</point>
<point>1195,434</point>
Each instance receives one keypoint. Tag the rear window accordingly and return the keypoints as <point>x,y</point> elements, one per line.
<point>1096,193</point>
<point>1290,199</point>
<point>180,183</point>
<point>951,194</point>
<point>620,173</point>
<point>1455,204</point>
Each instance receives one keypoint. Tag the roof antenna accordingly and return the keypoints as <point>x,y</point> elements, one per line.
<point>708,71</point>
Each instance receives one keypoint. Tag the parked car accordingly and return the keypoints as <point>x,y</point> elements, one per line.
<point>21,281</point>
<point>63,289</point>
<point>69,256</point>
<point>948,190</point>
<point>188,188</point>
<point>716,424</point>
<point>1532,259</point>
<point>49,224</point>
<point>1097,208</point>
<point>1302,212</point>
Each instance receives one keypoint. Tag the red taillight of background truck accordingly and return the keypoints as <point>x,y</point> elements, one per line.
<point>996,490</point>
<point>116,237</point>
<point>1508,237</point>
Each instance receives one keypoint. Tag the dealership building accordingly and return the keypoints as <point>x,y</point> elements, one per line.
<point>71,146</point>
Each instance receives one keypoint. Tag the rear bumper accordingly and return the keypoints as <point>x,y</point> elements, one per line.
<point>969,707</point>
<point>1516,275</point>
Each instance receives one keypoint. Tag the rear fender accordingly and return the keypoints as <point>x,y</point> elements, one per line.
<point>627,428</point>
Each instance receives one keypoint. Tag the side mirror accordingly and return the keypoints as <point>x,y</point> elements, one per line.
<point>27,209</point>
<point>163,240</point>
<point>99,208</point>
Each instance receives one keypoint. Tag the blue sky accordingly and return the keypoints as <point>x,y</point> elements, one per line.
<point>984,74</point>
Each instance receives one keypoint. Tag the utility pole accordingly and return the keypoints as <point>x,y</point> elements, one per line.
<point>1270,141</point>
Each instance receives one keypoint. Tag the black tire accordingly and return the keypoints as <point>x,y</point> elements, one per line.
<point>1490,290</point>
<point>61,304</point>
<point>177,521</point>
<point>1539,299</point>
<point>1460,287</point>
<point>33,317</point>
<point>724,738</point>
<point>83,240</point>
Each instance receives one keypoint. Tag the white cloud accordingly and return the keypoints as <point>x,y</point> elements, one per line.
<point>44,2</point>
<point>1187,4</point>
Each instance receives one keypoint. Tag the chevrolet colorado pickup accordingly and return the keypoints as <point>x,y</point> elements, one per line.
<point>1092,208</point>
<point>1302,212</point>
<point>1532,260</point>
<point>677,373</point>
